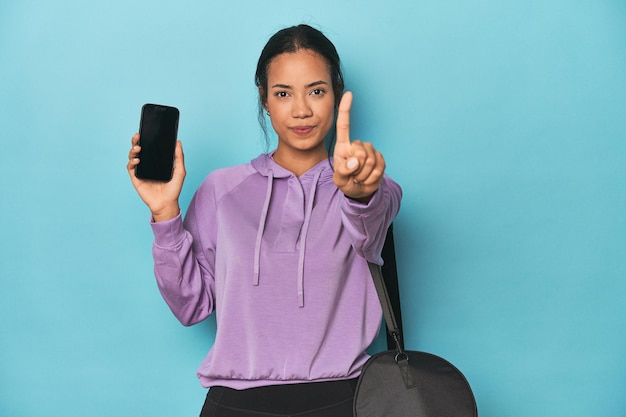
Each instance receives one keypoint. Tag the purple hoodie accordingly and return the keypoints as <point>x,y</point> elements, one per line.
<point>282,262</point>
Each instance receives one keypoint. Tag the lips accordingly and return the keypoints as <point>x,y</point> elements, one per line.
<point>302,130</point>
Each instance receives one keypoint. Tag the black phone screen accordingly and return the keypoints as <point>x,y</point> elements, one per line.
<point>158,132</point>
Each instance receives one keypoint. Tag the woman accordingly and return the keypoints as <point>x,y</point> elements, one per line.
<point>278,247</point>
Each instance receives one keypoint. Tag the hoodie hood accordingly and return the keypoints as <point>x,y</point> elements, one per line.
<point>301,200</point>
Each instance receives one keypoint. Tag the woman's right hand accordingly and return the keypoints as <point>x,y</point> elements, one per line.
<point>160,197</point>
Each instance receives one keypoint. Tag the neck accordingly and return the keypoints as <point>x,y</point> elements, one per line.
<point>299,162</point>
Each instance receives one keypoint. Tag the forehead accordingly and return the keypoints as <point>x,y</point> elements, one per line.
<point>302,65</point>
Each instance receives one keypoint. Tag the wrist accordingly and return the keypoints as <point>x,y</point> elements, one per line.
<point>167,213</point>
<point>362,200</point>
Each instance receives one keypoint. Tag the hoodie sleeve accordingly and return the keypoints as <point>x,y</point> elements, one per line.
<point>367,224</point>
<point>183,266</point>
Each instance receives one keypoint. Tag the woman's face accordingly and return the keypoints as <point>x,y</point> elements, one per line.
<point>301,102</point>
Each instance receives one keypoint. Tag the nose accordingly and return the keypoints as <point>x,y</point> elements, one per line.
<point>301,108</point>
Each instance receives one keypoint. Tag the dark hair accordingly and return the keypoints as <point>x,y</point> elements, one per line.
<point>290,40</point>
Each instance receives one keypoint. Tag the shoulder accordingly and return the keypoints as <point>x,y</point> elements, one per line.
<point>223,180</point>
<point>230,174</point>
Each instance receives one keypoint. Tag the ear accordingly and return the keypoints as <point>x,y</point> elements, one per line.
<point>339,93</point>
<point>263,97</point>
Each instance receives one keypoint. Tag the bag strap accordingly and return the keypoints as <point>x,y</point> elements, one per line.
<point>386,283</point>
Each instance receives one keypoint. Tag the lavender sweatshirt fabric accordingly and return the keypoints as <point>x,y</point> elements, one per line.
<point>282,261</point>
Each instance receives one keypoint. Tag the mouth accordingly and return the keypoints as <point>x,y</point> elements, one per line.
<point>302,130</point>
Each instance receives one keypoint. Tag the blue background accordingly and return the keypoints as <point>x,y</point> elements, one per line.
<point>504,121</point>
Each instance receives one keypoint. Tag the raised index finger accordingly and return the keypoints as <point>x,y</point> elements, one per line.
<point>343,118</point>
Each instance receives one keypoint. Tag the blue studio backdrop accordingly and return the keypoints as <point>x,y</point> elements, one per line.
<point>504,122</point>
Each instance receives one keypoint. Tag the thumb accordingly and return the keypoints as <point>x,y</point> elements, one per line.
<point>352,164</point>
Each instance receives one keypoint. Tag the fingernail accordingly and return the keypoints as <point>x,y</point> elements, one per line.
<point>352,163</point>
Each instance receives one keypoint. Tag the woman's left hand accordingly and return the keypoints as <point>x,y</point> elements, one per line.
<point>359,168</point>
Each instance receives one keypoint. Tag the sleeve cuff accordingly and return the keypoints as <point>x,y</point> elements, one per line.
<point>356,208</point>
<point>169,232</point>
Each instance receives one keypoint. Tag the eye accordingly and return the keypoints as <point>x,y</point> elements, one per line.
<point>318,92</point>
<point>281,94</point>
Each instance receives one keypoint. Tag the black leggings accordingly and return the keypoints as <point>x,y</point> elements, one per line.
<point>316,399</point>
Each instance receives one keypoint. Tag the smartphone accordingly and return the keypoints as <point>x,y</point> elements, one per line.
<point>158,131</point>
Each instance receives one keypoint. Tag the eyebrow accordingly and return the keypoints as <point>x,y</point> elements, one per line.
<point>313,84</point>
